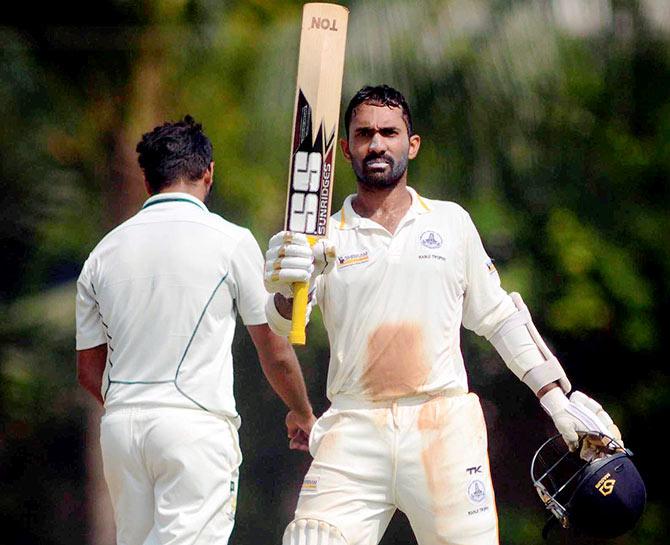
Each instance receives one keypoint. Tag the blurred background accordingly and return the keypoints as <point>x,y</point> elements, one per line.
<point>549,120</point>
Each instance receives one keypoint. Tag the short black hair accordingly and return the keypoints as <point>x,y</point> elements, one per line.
<point>379,95</point>
<point>174,151</point>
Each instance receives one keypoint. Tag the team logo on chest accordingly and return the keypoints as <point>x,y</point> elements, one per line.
<point>431,239</point>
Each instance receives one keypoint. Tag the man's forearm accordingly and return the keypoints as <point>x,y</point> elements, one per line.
<point>281,368</point>
<point>90,368</point>
<point>285,377</point>
<point>93,387</point>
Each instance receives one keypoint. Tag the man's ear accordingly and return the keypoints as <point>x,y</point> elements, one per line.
<point>208,178</point>
<point>414,145</point>
<point>344,146</point>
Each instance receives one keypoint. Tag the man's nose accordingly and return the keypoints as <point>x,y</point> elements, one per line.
<point>377,143</point>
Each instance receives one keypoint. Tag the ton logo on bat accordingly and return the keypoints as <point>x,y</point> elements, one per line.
<point>324,24</point>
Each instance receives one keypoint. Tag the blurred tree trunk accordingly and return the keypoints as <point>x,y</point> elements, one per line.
<point>123,194</point>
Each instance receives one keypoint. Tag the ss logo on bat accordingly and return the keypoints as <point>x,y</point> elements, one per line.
<point>305,183</point>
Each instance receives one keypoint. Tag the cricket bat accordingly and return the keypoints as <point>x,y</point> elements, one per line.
<point>315,119</point>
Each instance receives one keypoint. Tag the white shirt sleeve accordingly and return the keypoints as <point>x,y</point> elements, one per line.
<point>247,271</point>
<point>90,331</point>
<point>485,303</point>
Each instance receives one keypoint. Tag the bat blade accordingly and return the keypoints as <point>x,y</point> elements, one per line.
<point>314,136</point>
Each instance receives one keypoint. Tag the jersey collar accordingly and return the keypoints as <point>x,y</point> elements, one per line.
<point>347,218</point>
<point>173,198</point>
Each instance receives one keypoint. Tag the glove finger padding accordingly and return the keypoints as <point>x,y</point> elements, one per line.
<point>290,269</point>
<point>288,250</point>
<point>566,426</point>
<point>288,260</point>
<point>288,238</point>
<point>291,259</point>
<point>610,428</point>
<point>280,276</point>
<point>286,276</point>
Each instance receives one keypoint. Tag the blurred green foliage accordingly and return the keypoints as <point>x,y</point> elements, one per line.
<point>548,121</point>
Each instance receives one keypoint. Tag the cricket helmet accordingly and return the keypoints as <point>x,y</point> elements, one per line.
<point>604,497</point>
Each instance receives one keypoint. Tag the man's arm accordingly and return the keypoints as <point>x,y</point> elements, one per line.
<point>281,368</point>
<point>506,322</point>
<point>90,367</point>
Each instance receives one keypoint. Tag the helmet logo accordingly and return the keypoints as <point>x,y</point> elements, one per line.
<point>606,485</point>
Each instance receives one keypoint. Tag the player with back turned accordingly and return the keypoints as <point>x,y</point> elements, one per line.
<point>403,431</point>
<point>156,305</point>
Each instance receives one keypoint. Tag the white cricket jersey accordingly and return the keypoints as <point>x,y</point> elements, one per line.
<point>394,303</point>
<point>162,290</point>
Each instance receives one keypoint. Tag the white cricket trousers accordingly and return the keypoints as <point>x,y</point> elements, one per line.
<point>172,475</point>
<point>426,456</point>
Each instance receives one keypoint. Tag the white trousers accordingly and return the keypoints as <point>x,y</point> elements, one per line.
<point>172,475</point>
<point>427,457</point>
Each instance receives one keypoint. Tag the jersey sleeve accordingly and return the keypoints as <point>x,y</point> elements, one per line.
<point>485,303</point>
<point>247,270</point>
<point>90,331</point>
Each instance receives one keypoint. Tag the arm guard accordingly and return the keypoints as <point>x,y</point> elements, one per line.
<point>525,353</point>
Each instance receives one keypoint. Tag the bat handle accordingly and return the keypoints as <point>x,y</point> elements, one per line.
<point>299,312</point>
<point>300,294</point>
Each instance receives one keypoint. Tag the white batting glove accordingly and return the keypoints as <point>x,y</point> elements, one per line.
<point>579,415</point>
<point>592,447</point>
<point>290,259</point>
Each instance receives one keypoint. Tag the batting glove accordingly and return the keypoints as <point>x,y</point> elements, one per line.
<point>290,259</point>
<point>592,447</point>
<point>579,415</point>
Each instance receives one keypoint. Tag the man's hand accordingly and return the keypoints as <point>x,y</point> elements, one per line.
<point>290,259</point>
<point>299,427</point>
<point>577,416</point>
<point>593,446</point>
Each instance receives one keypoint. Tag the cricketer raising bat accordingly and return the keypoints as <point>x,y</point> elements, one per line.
<point>315,120</point>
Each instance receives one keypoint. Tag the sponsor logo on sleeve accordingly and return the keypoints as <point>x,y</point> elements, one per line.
<point>310,484</point>
<point>490,266</point>
<point>352,259</point>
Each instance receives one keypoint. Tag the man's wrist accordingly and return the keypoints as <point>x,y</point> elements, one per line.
<point>304,413</point>
<point>554,401</point>
<point>546,388</point>
<point>283,305</point>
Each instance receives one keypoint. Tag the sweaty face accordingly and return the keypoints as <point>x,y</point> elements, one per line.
<point>379,145</point>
